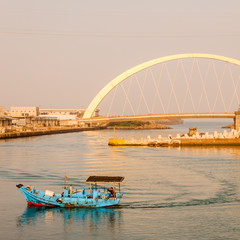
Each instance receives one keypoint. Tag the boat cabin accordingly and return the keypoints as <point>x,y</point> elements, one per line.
<point>105,179</point>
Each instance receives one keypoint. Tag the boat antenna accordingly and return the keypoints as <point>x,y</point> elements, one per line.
<point>65,178</point>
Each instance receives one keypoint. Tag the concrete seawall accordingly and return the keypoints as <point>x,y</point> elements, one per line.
<point>193,138</point>
<point>164,142</point>
<point>43,132</point>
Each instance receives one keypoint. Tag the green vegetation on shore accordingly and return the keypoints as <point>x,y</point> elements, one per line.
<point>128,124</point>
<point>137,125</point>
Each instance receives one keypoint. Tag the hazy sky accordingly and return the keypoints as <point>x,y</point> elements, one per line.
<point>59,54</point>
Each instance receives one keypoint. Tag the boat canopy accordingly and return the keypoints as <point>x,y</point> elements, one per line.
<point>104,179</point>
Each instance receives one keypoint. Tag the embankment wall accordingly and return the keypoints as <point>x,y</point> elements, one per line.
<point>43,132</point>
<point>175,142</point>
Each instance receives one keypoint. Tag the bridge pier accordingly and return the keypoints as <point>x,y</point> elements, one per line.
<point>237,120</point>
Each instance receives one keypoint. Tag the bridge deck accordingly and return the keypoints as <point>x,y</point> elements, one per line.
<point>159,116</point>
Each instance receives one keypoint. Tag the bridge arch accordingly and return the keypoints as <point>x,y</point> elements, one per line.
<point>120,78</point>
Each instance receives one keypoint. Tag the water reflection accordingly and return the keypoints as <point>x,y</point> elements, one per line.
<point>90,218</point>
<point>234,151</point>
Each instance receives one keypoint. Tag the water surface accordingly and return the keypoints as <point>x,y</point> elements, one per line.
<point>169,193</point>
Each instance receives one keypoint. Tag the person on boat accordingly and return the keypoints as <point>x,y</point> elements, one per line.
<point>111,191</point>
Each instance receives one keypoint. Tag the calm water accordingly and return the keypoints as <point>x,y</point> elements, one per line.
<point>170,193</point>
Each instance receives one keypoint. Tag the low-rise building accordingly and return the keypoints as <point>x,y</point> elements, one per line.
<point>45,122</point>
<point>21,112</point>
<point>5,121</point>
<point>64,111</point>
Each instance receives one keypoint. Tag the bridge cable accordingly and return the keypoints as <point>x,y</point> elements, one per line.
<point>125,102</point>
<point>157,94</point>
<point>188,80</point>
<point>235,86</point>
<point>113,98</point>
<point>140,100</point>
<point>128,99</point>
<point>160,77</point>
<point>204,80</point>
<point>219,87</point>
<point>172,87</point>
<point>144,99</point>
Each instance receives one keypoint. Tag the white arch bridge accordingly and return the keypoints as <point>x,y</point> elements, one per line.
<point>225,98</point>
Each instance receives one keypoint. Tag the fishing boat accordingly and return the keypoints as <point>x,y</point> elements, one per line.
<point>95,197</point>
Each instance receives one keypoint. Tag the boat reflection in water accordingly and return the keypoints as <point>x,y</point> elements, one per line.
<point>90,218</point>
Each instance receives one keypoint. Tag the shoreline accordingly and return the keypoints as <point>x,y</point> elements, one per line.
<point>11,135</point>
<point>139,128</point>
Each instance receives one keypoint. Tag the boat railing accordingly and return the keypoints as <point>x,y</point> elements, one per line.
<point>93,188</point>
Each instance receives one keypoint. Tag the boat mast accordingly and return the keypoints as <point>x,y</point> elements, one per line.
<point>65,178</point>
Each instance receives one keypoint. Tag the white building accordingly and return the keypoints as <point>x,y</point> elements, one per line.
<point>21,112</point>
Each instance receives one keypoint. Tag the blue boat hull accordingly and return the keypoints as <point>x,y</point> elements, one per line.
<point>77,199</point>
